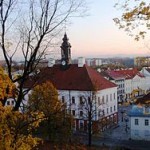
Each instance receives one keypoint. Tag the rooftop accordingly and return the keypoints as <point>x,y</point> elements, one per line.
<point>139,111</point>
<point>74,78</point>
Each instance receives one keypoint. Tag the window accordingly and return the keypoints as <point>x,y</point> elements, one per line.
<point>103,100</point>
<point>106,98</point>
<point>12,102</point>
<point>114,96</point>
<point>136,122</point>
<point>73,112</point>
<point>81,125</point>
<point>8,102</point>
<point>99,113</point>
<point>146,122</point>
<point>107,111</point>
<point>63,99</point>
<point>99,101</point>
<point>89,100</point>
<point>110,109</point>
<point>81,100</point>
<point>73,100</point>
<point>81,113</point>
<point>114,108</point>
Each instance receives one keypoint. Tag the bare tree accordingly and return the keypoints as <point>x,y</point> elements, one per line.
<point>28,29</point>
<point>90,108</point>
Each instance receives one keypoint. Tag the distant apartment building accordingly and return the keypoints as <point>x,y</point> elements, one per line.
<point>130,82</point>
<point>134,82</point>
<point>94,62</point>
<point>146,72</point>
<point>118,79</point>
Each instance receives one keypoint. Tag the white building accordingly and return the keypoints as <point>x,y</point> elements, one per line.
<point>135,82</point>
<point>118,79</point>
<point>76,84</point>
<point>140,123</point>
<point>146,72</point>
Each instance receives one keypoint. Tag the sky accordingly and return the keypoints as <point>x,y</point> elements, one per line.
<point>97,35</point>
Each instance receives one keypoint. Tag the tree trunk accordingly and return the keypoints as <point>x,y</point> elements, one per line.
<point>90,130</point>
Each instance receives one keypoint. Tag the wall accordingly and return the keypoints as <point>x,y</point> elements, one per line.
<point>140,132</point>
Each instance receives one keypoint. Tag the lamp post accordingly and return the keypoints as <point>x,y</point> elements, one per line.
<point>122,112</point>
<point>126,120</point>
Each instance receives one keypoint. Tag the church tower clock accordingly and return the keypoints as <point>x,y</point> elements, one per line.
<point>65,52</point>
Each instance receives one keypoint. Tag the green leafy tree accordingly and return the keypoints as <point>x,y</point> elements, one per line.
<point>44,98</point>
<point>135,19</point>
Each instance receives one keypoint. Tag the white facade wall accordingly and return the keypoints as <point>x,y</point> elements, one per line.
<point>140,131</point>
<point>10,102</point>
<point>98,62</point>
<point>147,78</point>
<point>128,86</point>
<point>138,82</point>
<point>106,101</point>
<point>120,88</point>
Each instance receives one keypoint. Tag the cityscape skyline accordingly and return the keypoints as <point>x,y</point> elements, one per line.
<point>97,35</point>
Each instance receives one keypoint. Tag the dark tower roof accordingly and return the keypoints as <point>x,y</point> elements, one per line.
<point>66,51</point>
<point>65,43</point>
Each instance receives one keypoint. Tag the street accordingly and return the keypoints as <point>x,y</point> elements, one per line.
<point>119,136</point>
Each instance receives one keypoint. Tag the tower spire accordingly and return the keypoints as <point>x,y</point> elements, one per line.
<point>65,51</point>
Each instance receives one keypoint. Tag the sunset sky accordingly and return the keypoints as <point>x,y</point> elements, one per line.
<point>98,36</point>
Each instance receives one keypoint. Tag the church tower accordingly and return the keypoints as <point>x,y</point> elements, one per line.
<point>65,52</point>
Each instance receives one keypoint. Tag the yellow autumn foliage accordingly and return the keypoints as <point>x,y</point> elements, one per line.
<point>6,85</point>
<point>135,17</point>
<point>44,98</point>
<point>16,129</point>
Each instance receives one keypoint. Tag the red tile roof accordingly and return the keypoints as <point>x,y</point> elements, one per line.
<point>115,75</point>
<point>130,73</point>
<point>74,78</point>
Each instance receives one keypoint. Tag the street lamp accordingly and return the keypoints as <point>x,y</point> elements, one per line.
<point>126,120</point>
<point>122,112</point>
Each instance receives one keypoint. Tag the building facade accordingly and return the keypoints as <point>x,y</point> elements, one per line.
<point>83,90</point>
<point>140,123</point>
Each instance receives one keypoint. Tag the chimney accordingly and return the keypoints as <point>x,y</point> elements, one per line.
<point>51,62</point>
<point>81,61</point>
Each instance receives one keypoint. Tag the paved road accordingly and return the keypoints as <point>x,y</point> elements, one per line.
<point>130,144</point>
<point>119,136</point>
